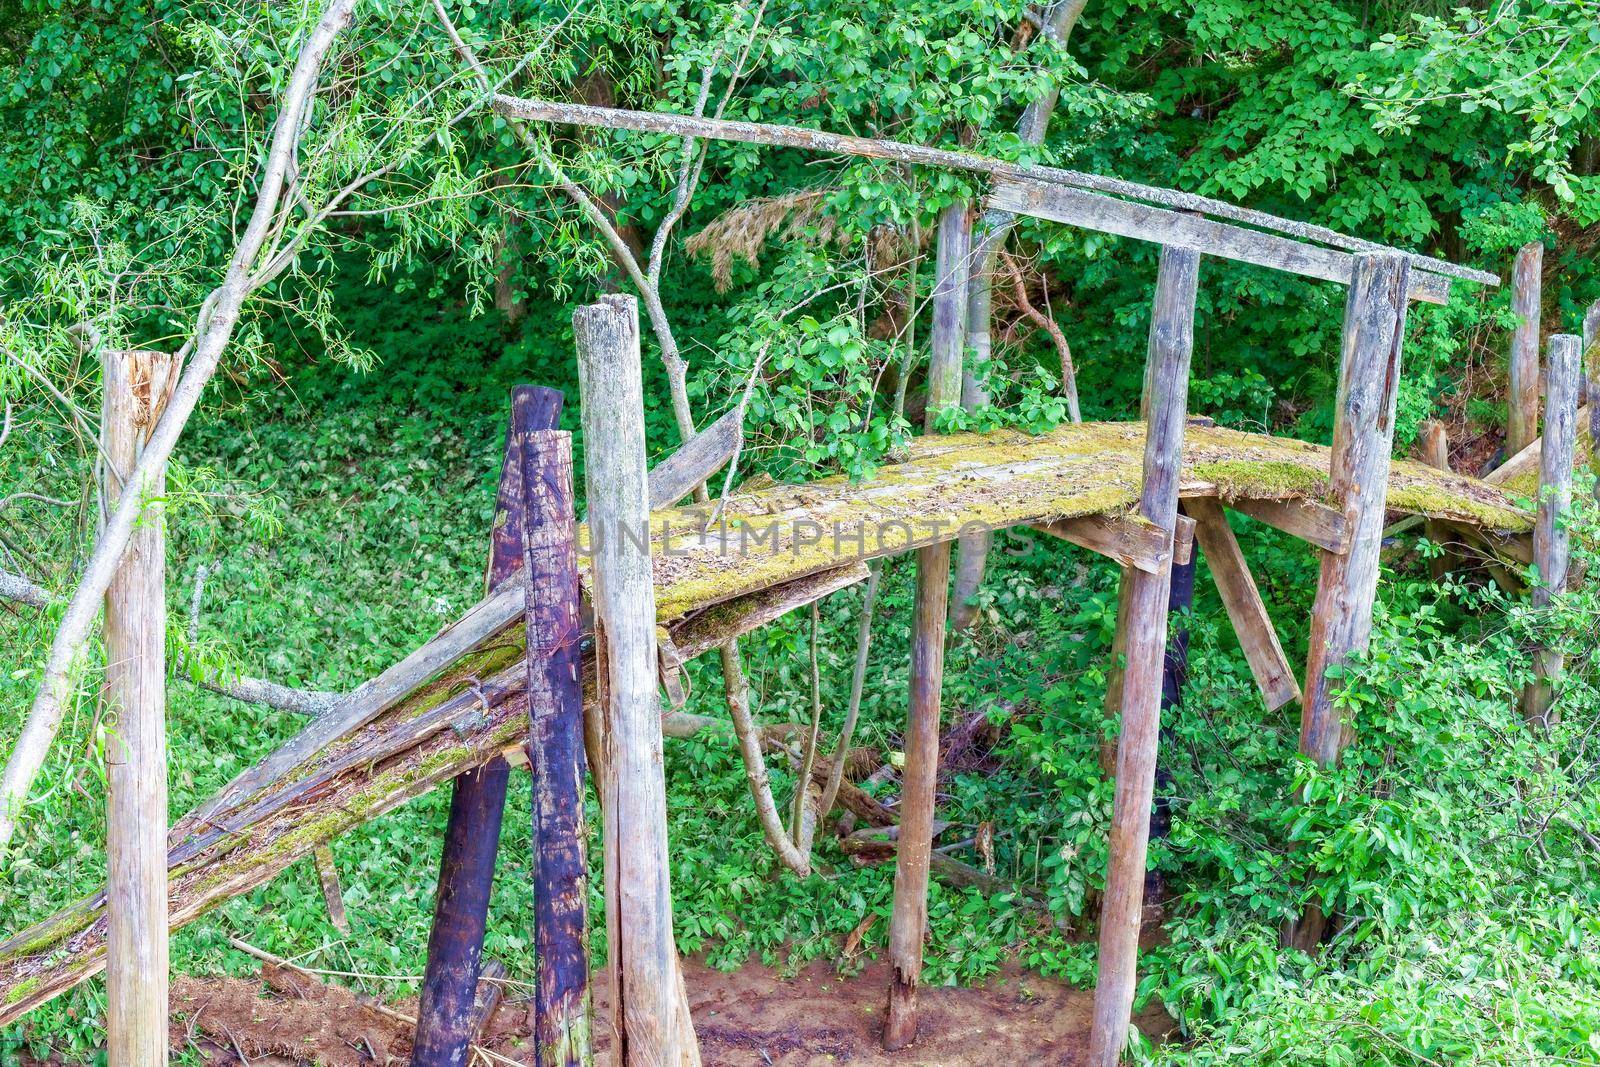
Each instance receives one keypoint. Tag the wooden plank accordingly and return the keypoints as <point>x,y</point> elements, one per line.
<point>921,773</point>
<point>651,1025</point>
<point>1522,416</point>
<point>801,137</point>
<point>1308,520</point>
<point>1341,617</point>
<point>1242,599</point>
<point>1096,211</point>
<point>1166,390</point>
<point>696,460</point>
<point>1183,543</point>
<point>135,710</point>
<point>1130,541</point>
<point>332,892</point>
<point>554,631</point>
<point>1551,542</point>
<point>478,801</point>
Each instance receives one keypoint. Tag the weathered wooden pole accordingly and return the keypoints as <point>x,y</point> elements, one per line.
<point>555,707</point>
<point>1435,448</point>
<point>649,1016</point>
<point>1363,435</point>
<point>136,384</point>
<point>921,773</point>
<point>477,805</point>
<point>1165,399</point>
<point>1522,417</point>
<point>1551,542</point>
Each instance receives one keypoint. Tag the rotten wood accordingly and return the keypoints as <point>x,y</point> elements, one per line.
<point>696,460</point>
<point>1164,402</point>
<point>477,806</point>
<point>135,710</point>
<point>1522,415</point>
<point>1551,542</point>
<point>332,892</point>
<point>1258,638</point>
<point>554,632</point>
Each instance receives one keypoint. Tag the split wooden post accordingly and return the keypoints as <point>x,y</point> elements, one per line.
<point>136,385</point>
<point>920,778</point>
<point>1166,396</point>
<point>649,1013</point>
<point>1551,542</point>
<point>1358,484</point>
<point>1522,418</point>
<point>477,805</point>
<point>555,709</point>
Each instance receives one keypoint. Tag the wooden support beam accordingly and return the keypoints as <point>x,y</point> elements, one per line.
<point>659,122</point>
<point>696,459</point>
<point>554,633</point>
<point>1308,520</point>
<point>1363,435</point>
<point>931,608</point>
<point>1246,610</point>
<point>1551,541</point>
<point>1129,541</point>
<point>1169,228</point>
<point>649,1013</point>
<point>477,805</point>
<point>135,715</point>
<point>1166,392</point>
<point>1522,417</point>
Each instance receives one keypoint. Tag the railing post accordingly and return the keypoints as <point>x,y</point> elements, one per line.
<point>1165,400</point>
<point>649,1010</point>
<point>1522,418</point>
<point>1551,542</point>
<point>136,384</point>
<point>477,805</point>
<point>921,774</point>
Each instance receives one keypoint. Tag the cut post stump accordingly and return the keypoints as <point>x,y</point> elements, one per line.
<point>1522,417</point>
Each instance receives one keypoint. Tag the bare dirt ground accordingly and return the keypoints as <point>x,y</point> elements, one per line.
<point>750,1018</point>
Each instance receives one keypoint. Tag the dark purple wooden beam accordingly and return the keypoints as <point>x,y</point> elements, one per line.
<point>466,872</point>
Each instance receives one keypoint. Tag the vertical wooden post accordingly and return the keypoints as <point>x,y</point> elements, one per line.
<point>555,709</point>
<point>649,1015</point>
<point>921,775</point>
<point>1358,483</point>
<point>1591,371</point>
<point>1166,396</point>
<point>1522,420</point>
<point>1551,542</point>
<point>477,805</point>
<point>136,385</point>
<point>1435,445</point>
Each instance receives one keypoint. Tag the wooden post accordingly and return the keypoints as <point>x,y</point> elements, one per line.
<point>1435,446</point>
<point>1363,435</point>
<point>649,1016</point>
<point>920,778</point>
<point>555,752</point>
<point>136,385</point>
<point>1591,365</point>
<point>1522,418</point>
<point>1166,395</point>
<point>1551,542</point>
<point>477,805</point>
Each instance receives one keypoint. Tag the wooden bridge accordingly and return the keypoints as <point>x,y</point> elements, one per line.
<point>459,700</point>
<point>1143,495</point>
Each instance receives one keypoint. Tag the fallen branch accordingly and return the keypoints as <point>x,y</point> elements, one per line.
<point>16,588</point>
